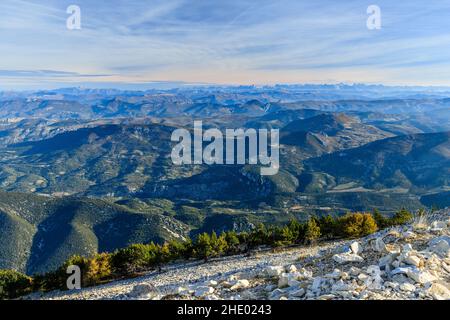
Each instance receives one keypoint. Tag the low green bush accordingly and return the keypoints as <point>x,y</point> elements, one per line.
<point>355,225</point>
<point>312,231</point>
<point>401,217</point>
<point>131,259</point>
<point>14,284</point>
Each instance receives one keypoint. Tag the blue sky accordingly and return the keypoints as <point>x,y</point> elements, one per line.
<point>227,42</point>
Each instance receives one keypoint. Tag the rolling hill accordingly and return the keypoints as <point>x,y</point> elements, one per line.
<point>39,233</point>
<point>416,163</point>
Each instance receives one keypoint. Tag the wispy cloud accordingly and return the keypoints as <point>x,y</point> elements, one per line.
<point>45,74</point>
<point>236,41</point>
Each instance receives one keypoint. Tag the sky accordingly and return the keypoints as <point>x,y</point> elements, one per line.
<point>137,42</point>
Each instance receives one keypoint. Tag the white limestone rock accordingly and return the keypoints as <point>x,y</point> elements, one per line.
<point>374,280</point>
<point>439,291</point>
<point>441,248</point>
<point>292,269</point>
<point>407,287</point>
<point>240,284</point>
<point>298,293</point>
<point>378,245</point>
<point>437,226</point>
<point>347,258</point>
<point>413,260</point>
<point>356,247</point>
<point>415,274</point>
<point>274,271</point>
<point>203,291</point>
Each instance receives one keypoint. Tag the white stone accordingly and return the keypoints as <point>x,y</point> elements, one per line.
<point>336,274</point>
<point>340,286</point>
<point>354,271</point>
<point>316,285</point>
<point>356,247</point>
<point>387,260</point>
<point>413,260</point>
<point>240,284</point>
<point>292,268</point>
<point>415,274</point>
<point>422,277</point>
<point>203,291</point>
<point>297,293</point>
<point>407,287</point>
<point>433,241</point>
<point>283,280</point>
<point>378,245</point>
<point>212,283</point>
<point>439,291</point>
<point>304,274</point>
<point>409,235</point>
<point>441,248</point>
<point>374,281</point>
<point>407,248</point>
<point>438,225</point>
<point>289,280</point>
<point>363,277</point>
<point>274,271</point>
<point>345,258</point>
<point>276,294</point>
<point>182,291</point>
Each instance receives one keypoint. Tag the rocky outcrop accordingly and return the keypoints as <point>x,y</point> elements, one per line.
<point>407,262</point>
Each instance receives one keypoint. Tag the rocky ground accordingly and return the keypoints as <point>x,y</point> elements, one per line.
<point>407,262</point>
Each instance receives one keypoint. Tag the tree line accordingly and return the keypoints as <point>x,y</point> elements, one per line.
<point>136,258</point>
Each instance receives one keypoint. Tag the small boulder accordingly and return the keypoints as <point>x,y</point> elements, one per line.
<point>408,287</point>
<point>413,260</point>
<point>439,291</point>
<point>340,285</point>
<point>276,294</point>
<point>212,283</point>
<point>378,245</point>
<point>292,269</point>
<point>288,280</point>
<point>274,271</point>
<point>240,284</point>
<point>374,281</point>
<point>441,248</point>
<point>346,258</point>
<point>203,291</point>
<point>409,235</point>
<point>415,274</point>
<point>437,226</point>
<point>356,247</point>
<point>297,293</point>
